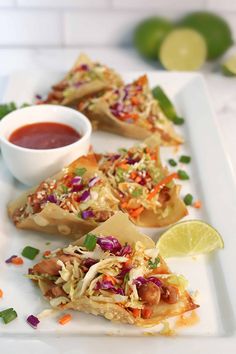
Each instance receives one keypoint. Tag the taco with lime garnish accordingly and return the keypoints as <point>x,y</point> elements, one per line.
<point>115,272</point>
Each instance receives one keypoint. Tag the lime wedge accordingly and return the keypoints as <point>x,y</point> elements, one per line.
<point>229,66</point>
<point>184,50</point>
<point>189,238</point>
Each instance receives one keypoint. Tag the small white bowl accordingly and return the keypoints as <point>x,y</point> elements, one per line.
<point>31,166</point>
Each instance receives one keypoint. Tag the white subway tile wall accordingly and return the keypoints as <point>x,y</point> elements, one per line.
<point>68,23</point>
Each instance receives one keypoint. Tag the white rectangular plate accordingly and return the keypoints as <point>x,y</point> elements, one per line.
<point>212,276</point>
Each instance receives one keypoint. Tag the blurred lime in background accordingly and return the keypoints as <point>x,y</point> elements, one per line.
<point>229,66</point>
<point>214,29</point>
<point>183,49</point>
<point>149,35</point>
<point>186,44</point>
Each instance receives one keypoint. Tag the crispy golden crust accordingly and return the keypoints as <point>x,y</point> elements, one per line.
<point>52,219</point>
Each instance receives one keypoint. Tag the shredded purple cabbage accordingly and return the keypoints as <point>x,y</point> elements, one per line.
<point>123,273</point>
<point>89,262</point>
<point>84,67</point>
<point>52,198</point>
<point>126,249</point>
<point>87,214</point>
<point>77,187</point>
<point>107,285</point>
<point>131,161</point>
<point>76,180</point>
<point>85,195</point>
<point>9,260</point>
<point>33,321</point>
<point>93,181</point>
<point>141,280</point>
<point>109,243</point>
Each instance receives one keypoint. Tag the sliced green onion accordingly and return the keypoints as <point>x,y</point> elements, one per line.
<point>185,159</point>
<point>137,192</point>
<point>183,175</point>
<point>188,199</point>
<point>172,162</point>
<point>80,171</point>
<point>30,252</point>
<point>8,315</point>
<point>7,108</point>
<point>154,264</point>
<point>122,150</point>
<point>90,242</point>
<point>64,188</point>
<point>178,120</point>
<point>126,278</point>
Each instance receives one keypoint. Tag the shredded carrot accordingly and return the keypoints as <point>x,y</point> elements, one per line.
<point>1,293</point>
<point>124,166</point>
<point>109,278</point>
<point>146,312</point>
<point>136,312</point>
<point>128,262</point>
<point>197,204</point>
<point>136,212</point>
<point>134,100</point>
<point>133,175</point>
<point>158,187</point>
<point>124,205</point>
<point>65,319</point>
<point>47,253</point>
<point>17,261</point>
<point>133,116</point>
<point>138,179</point>
<point>142,80</point>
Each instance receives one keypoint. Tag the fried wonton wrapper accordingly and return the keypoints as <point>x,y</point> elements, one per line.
<point>145,188</point>
<point>131,111</point>
<point>118,275</point>
<point>70,203</point>
<point>85,78</point>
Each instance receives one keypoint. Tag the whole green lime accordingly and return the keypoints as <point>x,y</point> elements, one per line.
<point>214,29</point>
<point>149,34</point>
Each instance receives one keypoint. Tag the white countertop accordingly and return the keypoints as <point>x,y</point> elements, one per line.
<point>222,90</point>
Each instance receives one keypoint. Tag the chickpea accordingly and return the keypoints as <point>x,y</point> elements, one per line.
<point>170,294</point>
<point>149,293</point>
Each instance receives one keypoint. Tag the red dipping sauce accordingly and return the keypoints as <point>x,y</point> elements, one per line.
<point>45,135</point>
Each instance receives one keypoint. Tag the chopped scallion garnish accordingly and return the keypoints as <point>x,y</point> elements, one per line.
<point>183,175</point>
<point>172,162</point>
<point>30,252</point>
<point>137,192</point>
<point>178,120</point>
<point>80,171</point>
<point>188,199</point>
<point>90,242</point>
<point>8,315</point>
<point>185,159</point>
<point>154,264</point>
<point>64,188</point>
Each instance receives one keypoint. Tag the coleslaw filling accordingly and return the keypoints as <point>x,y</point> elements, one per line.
<point>135,173</point>
<point>87,196</point>
<point>118,274</point>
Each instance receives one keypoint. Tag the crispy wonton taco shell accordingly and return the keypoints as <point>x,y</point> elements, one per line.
<point>52,219</point>
<point>120,227</point>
